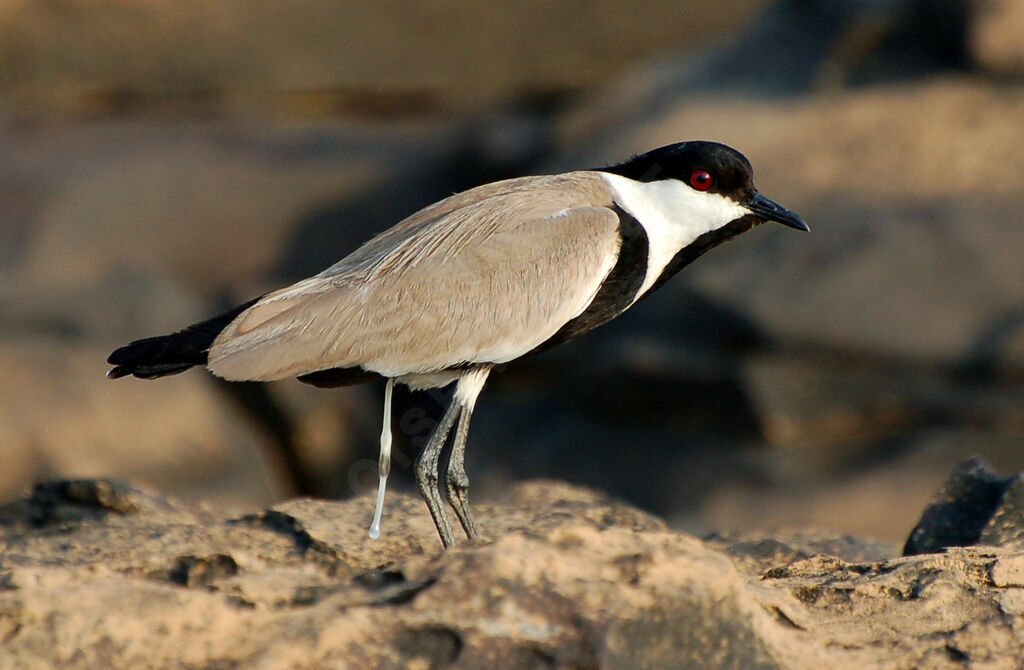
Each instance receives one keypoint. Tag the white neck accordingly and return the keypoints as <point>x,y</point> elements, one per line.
<point>672,214</point>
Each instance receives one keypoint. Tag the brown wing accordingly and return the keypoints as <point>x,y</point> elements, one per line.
<point>486,280</point>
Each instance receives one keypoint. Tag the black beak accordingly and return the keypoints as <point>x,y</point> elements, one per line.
<point>769,210</point>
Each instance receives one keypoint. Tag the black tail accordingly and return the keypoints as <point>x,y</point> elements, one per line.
<point>170,354</point>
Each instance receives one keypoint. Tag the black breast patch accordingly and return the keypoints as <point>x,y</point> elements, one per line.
<point>619,288</point>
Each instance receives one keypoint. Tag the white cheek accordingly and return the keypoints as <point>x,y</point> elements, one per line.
<point>673,214</point>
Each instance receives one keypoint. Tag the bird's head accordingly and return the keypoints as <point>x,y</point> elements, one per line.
<point>719,182</point>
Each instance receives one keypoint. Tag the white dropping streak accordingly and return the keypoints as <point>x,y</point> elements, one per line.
<point>384,462</point>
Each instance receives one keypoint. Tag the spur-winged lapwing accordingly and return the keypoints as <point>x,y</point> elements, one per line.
<point>481,278</point>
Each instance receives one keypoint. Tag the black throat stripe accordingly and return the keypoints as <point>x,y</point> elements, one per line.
<point>618,289</point>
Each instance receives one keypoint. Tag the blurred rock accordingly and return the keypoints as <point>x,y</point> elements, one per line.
<point>570,580</point>
<point>232,208</point>
<point>809,396</point>
<point>117,304</point>
<point>995,36</point>
<point>803,399</point>
<point>974,506</point>
<point>318,58</point>
<point>868,488</point>
<point>924,283</point>
<point>791,48</point>
<point>213,205</point>
<point>59,415</point>
<point>864,147</point>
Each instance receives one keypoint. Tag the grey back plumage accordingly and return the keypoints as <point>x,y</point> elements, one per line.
<point>481,277</point>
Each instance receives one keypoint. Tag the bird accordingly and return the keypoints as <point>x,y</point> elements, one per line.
<point>473,281</point>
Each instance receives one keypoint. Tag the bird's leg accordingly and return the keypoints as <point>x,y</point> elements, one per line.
<point>466,392</point>
<point>384,460</point>
<point>427,477</point>
<point>457,479</point>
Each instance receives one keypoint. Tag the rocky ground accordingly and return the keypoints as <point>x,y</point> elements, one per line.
<point>96,574</point>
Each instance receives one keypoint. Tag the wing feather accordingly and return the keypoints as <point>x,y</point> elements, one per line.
<point>482,277</point>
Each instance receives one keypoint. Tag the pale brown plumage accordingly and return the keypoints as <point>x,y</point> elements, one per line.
<point>484,276</point>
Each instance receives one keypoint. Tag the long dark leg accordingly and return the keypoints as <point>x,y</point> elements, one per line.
<point>427,473</point>
<point>457,479</point>
<point>457,489</point>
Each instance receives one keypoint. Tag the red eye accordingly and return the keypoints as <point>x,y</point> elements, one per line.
<point>701,180</point>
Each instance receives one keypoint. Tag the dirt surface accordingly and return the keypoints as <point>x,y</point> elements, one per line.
<point>96,574</point>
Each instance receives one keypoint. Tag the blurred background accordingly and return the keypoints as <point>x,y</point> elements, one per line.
<point>161,161</point>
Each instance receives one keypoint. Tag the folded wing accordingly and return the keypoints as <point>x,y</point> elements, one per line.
<point>481,277</point>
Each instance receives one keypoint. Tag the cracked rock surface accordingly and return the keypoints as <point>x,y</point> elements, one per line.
<point>97,574</point>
